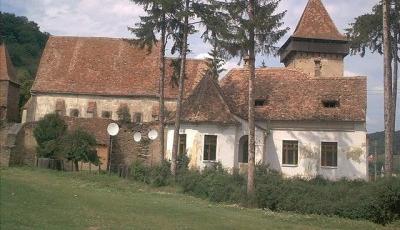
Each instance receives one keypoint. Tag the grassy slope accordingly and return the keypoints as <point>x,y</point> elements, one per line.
<point>38,199</point>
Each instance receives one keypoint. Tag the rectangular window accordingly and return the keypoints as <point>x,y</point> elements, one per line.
<point>331,103</point>
<point>138,118</point>
<point>182,144</point>
<point>290,152</point>
<point>106,114</point>
<point>210,148</point>
<point>259,102</point>
<point>329,154</point>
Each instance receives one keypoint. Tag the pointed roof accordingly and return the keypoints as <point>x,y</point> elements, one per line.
<point>207,104</point>
<point>7,71</point>
<point>315,23</point>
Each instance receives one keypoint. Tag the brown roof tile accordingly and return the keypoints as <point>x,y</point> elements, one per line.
<point>7,70</point>
<point>95,126</point>
<point>106,66</point>
<point>207,104</point>
<point>292,95</point>
<point>316,23</point>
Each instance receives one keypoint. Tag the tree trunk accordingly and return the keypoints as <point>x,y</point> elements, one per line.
<point>161,88</point>
<point>251,66</point>
<point>388,96</point>
<point>395,76</point>
<point>76,166</point>
<point>182,73</point>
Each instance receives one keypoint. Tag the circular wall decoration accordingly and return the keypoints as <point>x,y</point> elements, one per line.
<point>153,134</point>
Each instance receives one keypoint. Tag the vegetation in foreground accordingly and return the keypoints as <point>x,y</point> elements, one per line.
<point>378,201</point>
<point>44,199</point>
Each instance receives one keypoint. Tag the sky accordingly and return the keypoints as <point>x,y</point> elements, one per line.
<point>110,18</point>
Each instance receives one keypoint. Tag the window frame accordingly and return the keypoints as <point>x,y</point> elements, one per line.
<point>286,153</point>
<point>207,145</point>
<point>136,115</point>
<point>180,143</point>
<point>324,157</point>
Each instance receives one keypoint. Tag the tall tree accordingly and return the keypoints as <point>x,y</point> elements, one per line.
<point>388,94</point>
<point>215,61</point>
<point>367,32</point>
<point>185,29</point>
<point>250,27</point>
<point>158,20</point>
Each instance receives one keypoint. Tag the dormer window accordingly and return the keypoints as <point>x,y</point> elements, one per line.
<point>259,102</point>
<point>331,103</point>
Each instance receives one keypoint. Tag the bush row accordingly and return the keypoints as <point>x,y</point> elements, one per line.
<point>375,201</point>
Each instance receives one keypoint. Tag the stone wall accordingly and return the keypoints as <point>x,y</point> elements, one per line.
<point>125,150</point>
<point>331,64</point>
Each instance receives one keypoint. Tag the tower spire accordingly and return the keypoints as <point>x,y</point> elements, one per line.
<point>316,46</point>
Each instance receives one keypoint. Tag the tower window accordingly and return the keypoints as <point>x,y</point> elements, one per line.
<point>331,103</point>
<point>106,114</point>
<point>318,67</point>
<point>259,102</point>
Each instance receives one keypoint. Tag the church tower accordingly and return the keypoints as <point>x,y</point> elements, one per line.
<point>316,46</point>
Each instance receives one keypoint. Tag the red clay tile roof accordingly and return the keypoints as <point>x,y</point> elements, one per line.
<point>316,23</point>
<point>95,126</point>
<point>207,104</point>
<point>106,66</point>
<point>7,71</point>
<point>292,95</point>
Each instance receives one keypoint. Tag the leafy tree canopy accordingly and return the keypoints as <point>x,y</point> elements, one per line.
<point>25,44</point>
<point>366,32</point>
<point>79,145</point>
<point>47,133</point>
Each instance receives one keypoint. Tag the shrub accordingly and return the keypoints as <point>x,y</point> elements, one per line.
<point>214,183</point>
<point>160,174</point>
<point>140,172</point>
<point>79,145</point>
<point>48,133</point>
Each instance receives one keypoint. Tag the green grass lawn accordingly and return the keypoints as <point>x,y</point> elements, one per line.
<point>41,199</point>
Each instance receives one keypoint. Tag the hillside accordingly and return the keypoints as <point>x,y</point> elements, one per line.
<point>25,44</point>
<point>379,138</point>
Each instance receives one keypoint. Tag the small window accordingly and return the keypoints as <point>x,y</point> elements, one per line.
<point>331,103</point>
<point>329,154</point>
<point>290,152</point>
<point>106,114</point>
<point>318,67</point>
<point>182,144</point>
<point>259,102</point>
<point>74,113</point>
<point>210,148</point>
<point>138,118</point>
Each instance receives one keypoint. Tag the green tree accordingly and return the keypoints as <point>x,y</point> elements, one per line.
<point>159,19</point>
<point>48,133</point>
<point>215,62</point>
<point>378,31</point>
<point>251,27</point>
<point>25,43</point>
<point>79,145</point>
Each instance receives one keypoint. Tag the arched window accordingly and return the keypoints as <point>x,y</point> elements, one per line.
<point>244,149</point>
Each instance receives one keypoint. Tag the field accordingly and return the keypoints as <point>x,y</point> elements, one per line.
<point>41,199</point>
